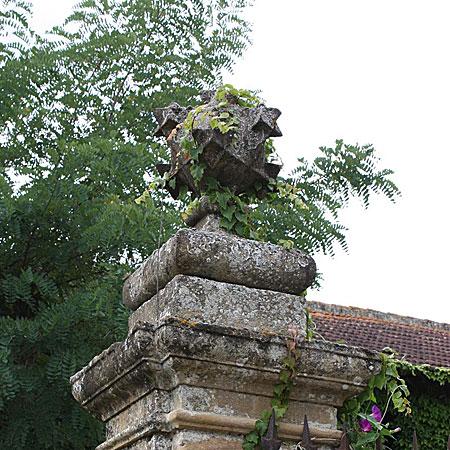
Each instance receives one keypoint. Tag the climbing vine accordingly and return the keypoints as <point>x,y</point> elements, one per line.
<point>440,375</point>
<point>363,416</point>
<point>387,397</point>
<point>430,404</point>
<point>235,210</point>
<point>281,391</point>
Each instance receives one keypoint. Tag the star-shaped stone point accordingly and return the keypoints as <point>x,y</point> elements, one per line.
<point>236,159</point>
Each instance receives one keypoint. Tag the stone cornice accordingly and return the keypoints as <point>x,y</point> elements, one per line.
<point>151,356</point>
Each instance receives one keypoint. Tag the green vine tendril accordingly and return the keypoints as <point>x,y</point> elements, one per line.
<point>281,392</point>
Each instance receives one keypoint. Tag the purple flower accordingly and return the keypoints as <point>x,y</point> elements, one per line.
<point>365,425</point>
<point>376,413</point>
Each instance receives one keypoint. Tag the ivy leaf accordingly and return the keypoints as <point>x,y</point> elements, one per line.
<point>286,243</point>
<point>379,380</point>
<point>228,225</point>
<point>366,438</point>
<point>278,389</point>
<point>195,152</point>
<point>241,217</point>
<point>222,200</point>
<point>284,375</point>
<point>228,212</point>
<point>280,411</point>
<point>252,437</point>
<point>261,426</point>
<point>197,171</point>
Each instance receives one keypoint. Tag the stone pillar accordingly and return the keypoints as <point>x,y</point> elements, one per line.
<point>204,349</point>
<point>212,313</point>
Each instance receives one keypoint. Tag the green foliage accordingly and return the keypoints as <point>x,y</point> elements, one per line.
<point>421,404</point>
<point>430,404</point>
<point>40,353</point>
<point>388,391</point>
<point>281,392</point>
<point>76,152</point>
<point>15,34</point>
<point>244,97</point>
<point>305,206</point>
<point>439,375</point>
<point>301,210</point>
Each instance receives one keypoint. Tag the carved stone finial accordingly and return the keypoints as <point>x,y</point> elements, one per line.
<point>235,158</point>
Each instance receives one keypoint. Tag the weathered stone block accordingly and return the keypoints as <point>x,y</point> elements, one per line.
<point>168,379</point>
<point>194,440</point>
<point>220,257</point>
<point>230,305</point>
<point>240,403</point>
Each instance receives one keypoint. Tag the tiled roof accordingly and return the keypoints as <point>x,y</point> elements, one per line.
<point>418,341</point>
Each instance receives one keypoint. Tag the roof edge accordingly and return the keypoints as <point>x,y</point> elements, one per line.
<point>372,313</point>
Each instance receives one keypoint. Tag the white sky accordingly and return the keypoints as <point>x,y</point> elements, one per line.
<point>366,72</point>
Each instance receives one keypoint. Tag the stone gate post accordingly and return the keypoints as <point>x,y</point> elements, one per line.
<point>207,335</point>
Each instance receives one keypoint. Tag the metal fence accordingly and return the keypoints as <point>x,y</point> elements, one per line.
<point>270,440</point>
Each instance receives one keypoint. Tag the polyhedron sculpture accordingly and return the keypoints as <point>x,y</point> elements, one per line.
<point>236,159</point>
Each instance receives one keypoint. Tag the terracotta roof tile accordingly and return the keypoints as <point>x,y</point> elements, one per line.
<point>418,341</point>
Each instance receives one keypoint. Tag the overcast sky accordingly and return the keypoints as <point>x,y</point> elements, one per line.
<point>366,72</point>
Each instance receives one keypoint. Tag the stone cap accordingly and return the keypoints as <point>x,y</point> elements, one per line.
<point>220,257</point>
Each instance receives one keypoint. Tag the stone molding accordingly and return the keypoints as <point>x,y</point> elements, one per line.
<point>221,257</point>
<point>131,435</point>
<point>175,353</point>
<point>182,419</point>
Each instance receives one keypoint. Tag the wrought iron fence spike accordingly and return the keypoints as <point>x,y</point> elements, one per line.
<point>306,437</point>
<point>345,444</point>
<point>379,444</point>
<point>270,440</point>
<point>272,429</point>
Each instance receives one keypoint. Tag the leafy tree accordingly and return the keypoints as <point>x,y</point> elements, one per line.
<point>307,212</point>
<point>77,148</point>
<point>76,151</point>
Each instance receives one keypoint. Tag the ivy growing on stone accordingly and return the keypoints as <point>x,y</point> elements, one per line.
<point>281,392</point>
